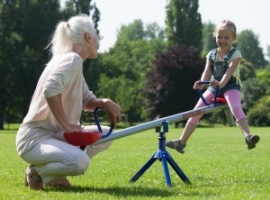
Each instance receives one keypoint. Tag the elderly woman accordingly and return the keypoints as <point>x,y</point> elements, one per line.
<point>56,107</point>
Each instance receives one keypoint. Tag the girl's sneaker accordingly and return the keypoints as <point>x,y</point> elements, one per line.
<point>252,140</point>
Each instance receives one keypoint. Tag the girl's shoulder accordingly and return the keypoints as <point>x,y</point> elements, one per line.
<point>236,54</point>
<point>211,54</point>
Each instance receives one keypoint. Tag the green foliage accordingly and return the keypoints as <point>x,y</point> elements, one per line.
<point>126,63</point>
<point>153,31</point>
<point>258,99</point>
<point>248,44</point>
<point>208,39</point>
<point>259,114</point>
<point>184,24</point>
<point>247,70</point>
<point>168,89</point>
<point>252,91</point>
<point>131,32</point>
<point>263,76</point>
<point>216,162</point>
<point>25,27</point>
<point>120,90</point>
<point>268,53</point>
<point>85,7</point>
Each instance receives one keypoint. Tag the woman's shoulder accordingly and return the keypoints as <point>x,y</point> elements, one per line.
<point>67,61</point>
<point>73,57</point>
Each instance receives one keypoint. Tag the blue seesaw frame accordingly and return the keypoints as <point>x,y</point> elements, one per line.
<point>161,154</point>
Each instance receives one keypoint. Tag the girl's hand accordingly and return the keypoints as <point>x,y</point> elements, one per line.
<point>215,83</point>
<point>198,86</point>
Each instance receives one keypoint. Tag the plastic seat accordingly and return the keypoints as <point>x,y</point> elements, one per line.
<point>82,138</point>
<point>220,100</point>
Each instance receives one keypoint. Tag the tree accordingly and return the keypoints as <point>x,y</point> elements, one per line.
<point>247,70</point>
<point>22,51</point>
<point>33,57</point>
<point>259,115</point>
<point>131,32</point>
<point>9,43</point>
<point>74,7</point>
<point>263,77</point>
<point>131,55</point>
<point>250,98</point>
<point>208,39</point>
<point>168,89</point>
<point>268,52</point>
<point>153,31</point>
<point>248,44</point>
<point>183,23</point>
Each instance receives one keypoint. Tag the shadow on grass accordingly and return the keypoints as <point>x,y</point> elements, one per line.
<point>118,191</point>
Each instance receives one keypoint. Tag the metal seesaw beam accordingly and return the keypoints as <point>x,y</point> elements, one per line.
<point>158,123</point>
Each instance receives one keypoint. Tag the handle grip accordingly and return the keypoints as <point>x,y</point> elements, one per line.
<point>201,96</point>
<point>98,124</point>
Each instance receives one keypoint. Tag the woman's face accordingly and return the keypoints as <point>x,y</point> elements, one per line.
<point>93,46</point>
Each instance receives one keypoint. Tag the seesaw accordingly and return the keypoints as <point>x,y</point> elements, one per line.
<point>162,154</point>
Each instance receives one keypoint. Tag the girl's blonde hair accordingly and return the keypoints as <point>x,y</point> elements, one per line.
<point>71,32</point>
<point>225,23</point>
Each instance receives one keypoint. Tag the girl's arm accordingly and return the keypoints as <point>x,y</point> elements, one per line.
<point>206,75</point>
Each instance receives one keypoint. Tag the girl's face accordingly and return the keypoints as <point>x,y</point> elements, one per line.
<point>224,38</point>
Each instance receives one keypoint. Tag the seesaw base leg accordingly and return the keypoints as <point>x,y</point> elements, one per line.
<point>164,157</point>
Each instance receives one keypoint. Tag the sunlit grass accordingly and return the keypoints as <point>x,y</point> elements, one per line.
<point>216,162</point>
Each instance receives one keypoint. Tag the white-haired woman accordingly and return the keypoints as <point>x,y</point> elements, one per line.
<point>56,106</point>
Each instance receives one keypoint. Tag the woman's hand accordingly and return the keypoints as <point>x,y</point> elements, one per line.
<point>73,128</point>
<point>113,111</point>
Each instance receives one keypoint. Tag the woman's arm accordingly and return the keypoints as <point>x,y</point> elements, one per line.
<point>55,104</point>
<point>113,110</point>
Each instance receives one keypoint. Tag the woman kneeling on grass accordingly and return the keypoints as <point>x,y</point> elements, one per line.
<point>56,107</point>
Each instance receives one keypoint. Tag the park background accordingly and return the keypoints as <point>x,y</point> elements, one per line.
<point>149,69</point>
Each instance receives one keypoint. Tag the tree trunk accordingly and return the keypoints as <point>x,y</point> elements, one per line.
<point>1,121</point>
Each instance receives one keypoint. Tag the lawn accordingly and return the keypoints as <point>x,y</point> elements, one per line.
<point>216,162</point>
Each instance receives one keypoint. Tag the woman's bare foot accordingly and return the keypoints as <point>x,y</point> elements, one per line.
<point>32,179</point>
<point>62,182</point>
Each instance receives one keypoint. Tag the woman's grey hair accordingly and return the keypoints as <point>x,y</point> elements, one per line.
<point>71,32</point>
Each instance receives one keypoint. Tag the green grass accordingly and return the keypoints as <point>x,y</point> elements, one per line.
<point>216,161</point>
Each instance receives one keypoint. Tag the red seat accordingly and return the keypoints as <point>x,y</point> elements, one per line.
<point>220,100</point>
<point>82,138</point>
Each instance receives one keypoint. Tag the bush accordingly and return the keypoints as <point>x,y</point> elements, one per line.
<point>259,114</point>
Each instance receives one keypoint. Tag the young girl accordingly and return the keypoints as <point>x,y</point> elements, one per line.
<point>56,107</point>
<point>224,73</point>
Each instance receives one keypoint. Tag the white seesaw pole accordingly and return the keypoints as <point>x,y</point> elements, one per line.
<point>158,123</point>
